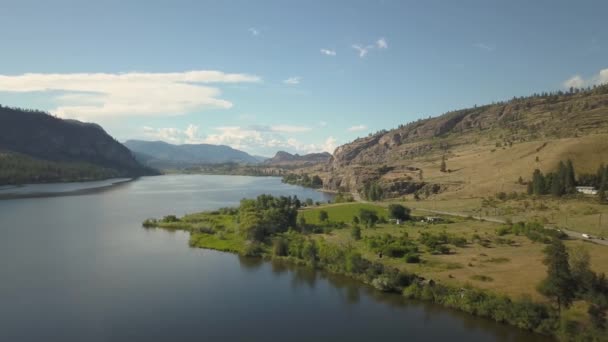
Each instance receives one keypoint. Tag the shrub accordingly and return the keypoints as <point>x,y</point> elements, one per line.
<point>412,258</point>
<point>355,232</point>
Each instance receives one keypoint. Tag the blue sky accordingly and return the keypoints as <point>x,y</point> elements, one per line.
<point>300,76</point>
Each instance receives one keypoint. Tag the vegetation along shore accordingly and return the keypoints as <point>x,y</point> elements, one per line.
<point>516,273</point>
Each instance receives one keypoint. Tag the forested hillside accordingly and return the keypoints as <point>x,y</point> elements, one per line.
<point>38,147</point>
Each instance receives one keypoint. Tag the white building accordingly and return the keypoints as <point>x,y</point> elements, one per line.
<point>587,190</point>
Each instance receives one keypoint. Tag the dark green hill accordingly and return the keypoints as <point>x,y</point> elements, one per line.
<point>59,150</point>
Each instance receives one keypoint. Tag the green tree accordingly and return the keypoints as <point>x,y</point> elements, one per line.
<point>559,283</point>
<point>280,247</point>
<point>597,315</point>
<point>355,220</point>
<point>580,268</point>
<point>570,178</point>
<point>310,251</point>
<point>538,183</point>
<point>368,217</point>
<point>398,212</point>
<point>355,232</point>
<point>323,216</point>
<point>372,191</point>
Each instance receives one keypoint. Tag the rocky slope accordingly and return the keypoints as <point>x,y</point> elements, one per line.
<point>407,159</point>
<point>285,159</point>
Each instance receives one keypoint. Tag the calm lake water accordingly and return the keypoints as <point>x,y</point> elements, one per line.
<point>81,268</point>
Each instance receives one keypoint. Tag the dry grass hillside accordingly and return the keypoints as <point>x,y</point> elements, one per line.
<point>486,149</point>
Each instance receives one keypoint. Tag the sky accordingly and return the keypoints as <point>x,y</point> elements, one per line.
<point>299,76</point>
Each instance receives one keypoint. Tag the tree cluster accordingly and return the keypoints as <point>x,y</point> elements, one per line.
<point>372,191</point>
<point>304,180</point>
<point>569,278</point>
<point>267,215</point>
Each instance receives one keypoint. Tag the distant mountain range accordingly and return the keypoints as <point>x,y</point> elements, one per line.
<point>38,147</point>
<point>287,159</point>
<point>162,155</point>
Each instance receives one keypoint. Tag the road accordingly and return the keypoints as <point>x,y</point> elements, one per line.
<point>571,234</point>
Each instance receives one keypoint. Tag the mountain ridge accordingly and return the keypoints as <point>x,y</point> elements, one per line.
<point>164,155</point>
<point>66,146</point>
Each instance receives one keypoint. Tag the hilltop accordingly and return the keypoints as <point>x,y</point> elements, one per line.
<point>163,155</point>
<point>486,148</point>
<point>38,147</point>
<point>286,159</point>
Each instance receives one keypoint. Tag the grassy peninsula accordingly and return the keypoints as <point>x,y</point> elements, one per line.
<point>517,273</point>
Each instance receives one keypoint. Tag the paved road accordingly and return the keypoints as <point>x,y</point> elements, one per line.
<point>570,233</point>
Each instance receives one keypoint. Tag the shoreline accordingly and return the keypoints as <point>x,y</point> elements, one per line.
<point>41,194</point>
<point>537,318</point>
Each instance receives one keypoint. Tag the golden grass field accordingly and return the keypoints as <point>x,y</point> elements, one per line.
<point>515,269</point>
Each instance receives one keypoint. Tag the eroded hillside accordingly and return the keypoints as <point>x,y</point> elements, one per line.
<point>486,149</point>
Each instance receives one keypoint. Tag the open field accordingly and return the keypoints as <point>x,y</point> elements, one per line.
<point>342,212</point>
<point>580,214</point>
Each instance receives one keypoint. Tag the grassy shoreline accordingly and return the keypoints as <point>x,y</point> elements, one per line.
<point>441,275</point>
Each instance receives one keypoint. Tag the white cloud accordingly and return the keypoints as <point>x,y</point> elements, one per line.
<point>171,135</point>
<point>578,81</point>
<point>485,47</point>
<point>93,95</point>
<point>575,81</point>
<point>330,145</point>
<point>252,138</point>
<point>381,43</point>
<point>363,51</point>
<point>357,128</point>
<point>292,80</point>
<point>328,52</point>
<point>254,31</point>
<point>191,133</point>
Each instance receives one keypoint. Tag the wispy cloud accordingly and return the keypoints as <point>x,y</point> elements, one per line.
<point>485,47</point>
<point>577,81</point>
<point>363,50</point>
<point>328,52</point>
<point>292,80</point>
<point>250,138</point>
<point>254,31</point>
<point>94,95</point>
<point>357,128</point>
<point>382,43</point>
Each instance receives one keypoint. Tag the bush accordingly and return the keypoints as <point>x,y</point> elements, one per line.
<point>280,247</point>
<point>412,258</point>
<point>355,232</point>
<point>368,217</point>
<point>253,249</point>
<point>170,218</point>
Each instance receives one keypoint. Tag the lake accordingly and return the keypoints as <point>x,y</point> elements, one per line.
<point>81,268</point>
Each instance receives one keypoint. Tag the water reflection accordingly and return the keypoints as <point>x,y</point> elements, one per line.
<point>352,292</point>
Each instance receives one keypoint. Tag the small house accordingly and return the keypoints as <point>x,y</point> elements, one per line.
<point>587,190</point>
